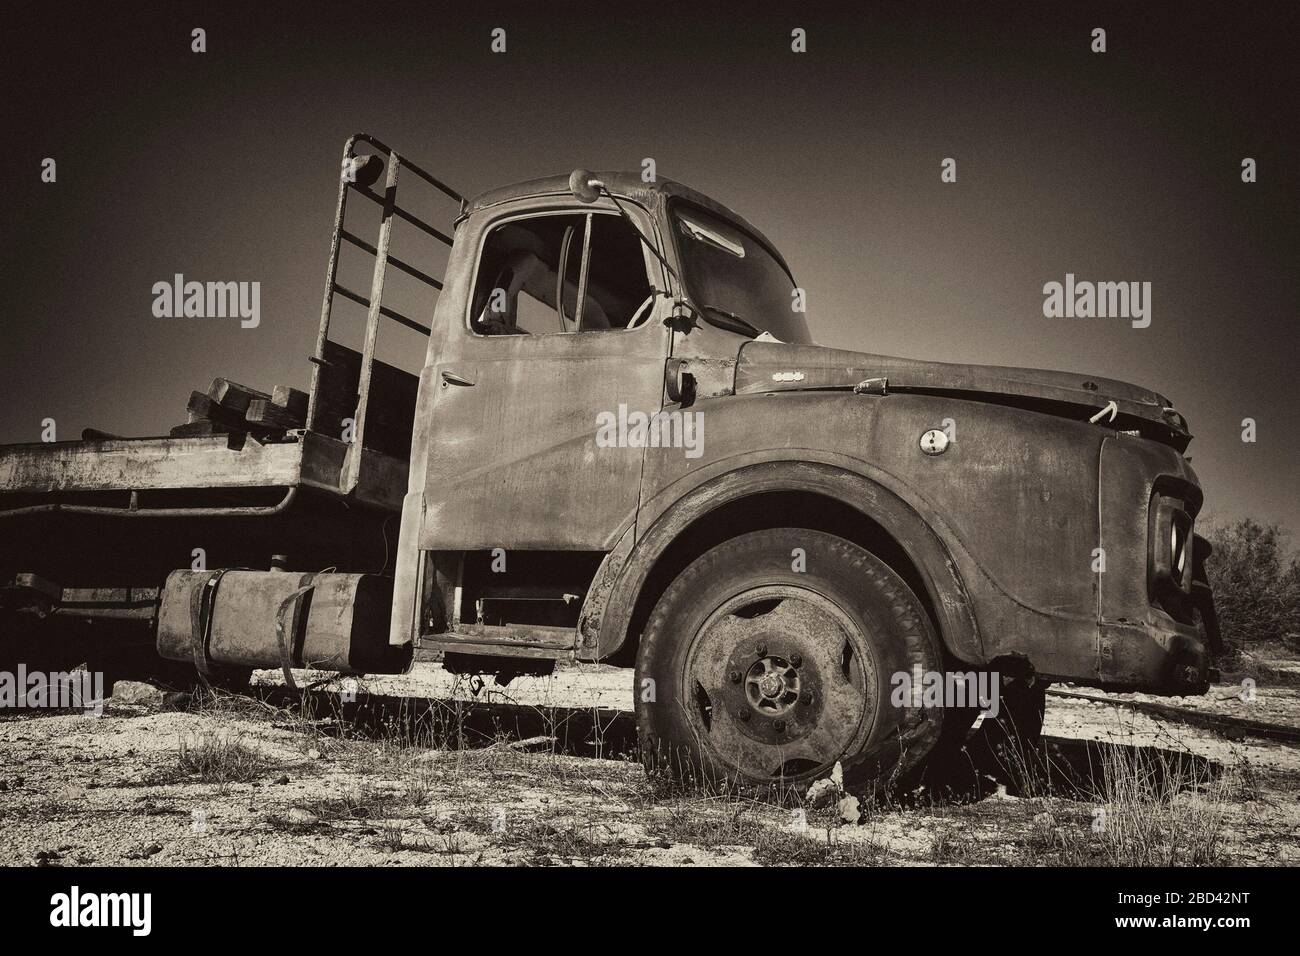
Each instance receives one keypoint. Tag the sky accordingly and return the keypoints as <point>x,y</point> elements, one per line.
<point>1115,166</point>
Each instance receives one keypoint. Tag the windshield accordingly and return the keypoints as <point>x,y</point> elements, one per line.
<point>734,279</point>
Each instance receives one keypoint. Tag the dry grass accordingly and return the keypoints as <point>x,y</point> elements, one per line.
<point>947,847</point>
<point>392,837</point>
<point>424,786</point>
<point>359,803</point>
<point>564,839</point>
<point>1160,810</point>
<point>698,824</point>
<point>222,758</point>
<point>776,847</point>
<point>1147,807</point>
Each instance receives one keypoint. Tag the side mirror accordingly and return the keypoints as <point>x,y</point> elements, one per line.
<point>584,185</point>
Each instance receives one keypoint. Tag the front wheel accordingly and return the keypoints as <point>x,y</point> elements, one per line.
<point>774,656</point>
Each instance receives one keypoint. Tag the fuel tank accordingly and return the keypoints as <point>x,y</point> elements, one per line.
<point>326,620</point>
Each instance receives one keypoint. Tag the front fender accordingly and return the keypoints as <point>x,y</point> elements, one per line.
<point>1003,525</point>
<point>608,611</point>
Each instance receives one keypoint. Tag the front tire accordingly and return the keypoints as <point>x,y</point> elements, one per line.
<point>772,657</point>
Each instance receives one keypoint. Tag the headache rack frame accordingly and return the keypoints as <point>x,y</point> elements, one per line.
<point>202,477</point>
<point>353,178</point>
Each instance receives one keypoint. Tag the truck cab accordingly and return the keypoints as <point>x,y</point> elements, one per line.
<point>624,446</point>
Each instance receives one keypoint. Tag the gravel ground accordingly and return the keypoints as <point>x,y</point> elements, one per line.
<point>158,781</point>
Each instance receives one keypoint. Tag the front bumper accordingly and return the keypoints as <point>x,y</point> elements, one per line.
<point>1162,655</point>
<point>1154,658</point>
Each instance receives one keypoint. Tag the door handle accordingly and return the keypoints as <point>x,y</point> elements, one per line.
<point>451,378</point>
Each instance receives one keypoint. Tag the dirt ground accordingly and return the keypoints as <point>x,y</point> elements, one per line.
<point>540,772</point>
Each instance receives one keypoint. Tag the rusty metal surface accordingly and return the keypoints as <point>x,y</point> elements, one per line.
<point>780,694</point>
<point>167,464</point>
<point>598,595</point>
<point>1001,522</point>
<point>773,367</point>
<point>1014,501</point>
<point>524,430</point>
<point>343,622</point>
<point>737,479</point>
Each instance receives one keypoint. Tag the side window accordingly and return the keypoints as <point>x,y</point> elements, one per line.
<point>567,273</point>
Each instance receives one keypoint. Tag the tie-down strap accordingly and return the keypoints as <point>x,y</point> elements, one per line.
<point>288,624</point>
<point>201,603</point>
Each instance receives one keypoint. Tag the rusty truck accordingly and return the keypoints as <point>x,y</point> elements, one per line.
<point>623,446</point>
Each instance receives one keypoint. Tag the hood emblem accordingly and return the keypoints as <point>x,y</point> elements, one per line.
<point>934,442</point>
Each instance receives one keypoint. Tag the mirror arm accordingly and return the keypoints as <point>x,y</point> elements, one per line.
<point>646,242</point>
<point>679,321</point>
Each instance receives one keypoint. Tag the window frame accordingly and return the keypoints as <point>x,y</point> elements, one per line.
<point>649,263</point>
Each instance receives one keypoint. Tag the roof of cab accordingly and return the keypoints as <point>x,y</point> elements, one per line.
<point>624,185</point>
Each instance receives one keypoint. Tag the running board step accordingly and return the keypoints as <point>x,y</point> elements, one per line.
<point>504,640</point>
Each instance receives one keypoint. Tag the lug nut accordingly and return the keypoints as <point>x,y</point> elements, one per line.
<point>796,660</point>
<point>779,726</point>
<point>735,677</point>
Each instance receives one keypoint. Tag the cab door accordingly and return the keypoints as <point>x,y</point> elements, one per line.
<point>562,329</point>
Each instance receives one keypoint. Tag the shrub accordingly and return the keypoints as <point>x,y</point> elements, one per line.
<point>217,758</point>
<point>1256,586</point>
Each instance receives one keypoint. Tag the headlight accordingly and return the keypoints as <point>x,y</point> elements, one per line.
<point>1171,538</point>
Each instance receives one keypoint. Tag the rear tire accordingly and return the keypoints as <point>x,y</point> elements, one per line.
<point>764,676</point>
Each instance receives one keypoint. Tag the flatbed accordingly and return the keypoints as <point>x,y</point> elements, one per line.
<point>219,474</point>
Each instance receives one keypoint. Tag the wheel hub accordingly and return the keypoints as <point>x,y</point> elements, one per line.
<point>783,682</point>
<point>772,686</point>
<point>776,702</point>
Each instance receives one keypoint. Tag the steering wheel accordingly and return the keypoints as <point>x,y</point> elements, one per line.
<point>642,313</point>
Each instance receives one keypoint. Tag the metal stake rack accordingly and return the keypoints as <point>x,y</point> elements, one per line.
<point>359,174</point>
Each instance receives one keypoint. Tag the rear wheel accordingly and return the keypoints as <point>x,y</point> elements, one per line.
<point>771,658</point>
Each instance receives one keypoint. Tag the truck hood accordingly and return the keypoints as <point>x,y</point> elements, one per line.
<point>775,367</point>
